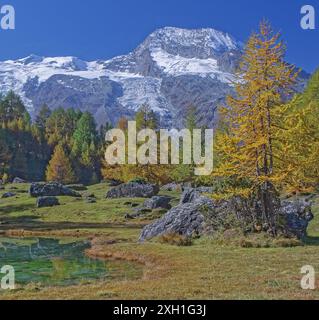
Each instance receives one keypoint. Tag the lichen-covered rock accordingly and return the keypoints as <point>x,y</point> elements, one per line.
<point>158,202</point>
<point>51,189</point>
<point>133,190</point>
<point>44,202</point>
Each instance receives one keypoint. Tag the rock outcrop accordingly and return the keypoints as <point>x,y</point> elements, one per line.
<point>187,219</point>
<point>133,190</point>
<point>51,189</point>
<point>199,215</point>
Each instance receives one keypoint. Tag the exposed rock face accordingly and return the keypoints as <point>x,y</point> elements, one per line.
<point>44,202</point>
<point>133,190</point>
<point>158,202</point>
<point>51,189</point>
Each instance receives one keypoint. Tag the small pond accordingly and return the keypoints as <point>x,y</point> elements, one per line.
<point>54,262</point>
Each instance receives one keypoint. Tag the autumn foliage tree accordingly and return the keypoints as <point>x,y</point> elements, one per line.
<point>60,168</point>
<point>248,150</point>
<point>298,135</point>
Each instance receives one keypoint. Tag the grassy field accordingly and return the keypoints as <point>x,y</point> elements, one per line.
<point>203,271</point>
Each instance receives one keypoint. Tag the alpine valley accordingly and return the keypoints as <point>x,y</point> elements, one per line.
<point>171,70</point>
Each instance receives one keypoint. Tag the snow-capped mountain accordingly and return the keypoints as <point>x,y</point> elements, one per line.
<point>171,70</point>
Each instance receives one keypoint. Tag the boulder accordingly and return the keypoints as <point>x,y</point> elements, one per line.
<point>186,219</point>
<point>18,180</point>
<point>44,202</point>
<point>8,195</point>
<point>297,215</point>
<point>51,189</point>
<point>133,190</point>
<point>158,202</point>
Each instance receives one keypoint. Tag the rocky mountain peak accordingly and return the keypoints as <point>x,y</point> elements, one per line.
<point>171,70</point>
<point>195,43</point>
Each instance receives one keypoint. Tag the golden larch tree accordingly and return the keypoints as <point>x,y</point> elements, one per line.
<point>247,149</point>
<point>60,168</point>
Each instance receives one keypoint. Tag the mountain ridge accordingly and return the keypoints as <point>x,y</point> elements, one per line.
<point>170,70</point>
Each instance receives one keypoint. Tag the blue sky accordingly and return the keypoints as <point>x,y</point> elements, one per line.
<point>102,29</point>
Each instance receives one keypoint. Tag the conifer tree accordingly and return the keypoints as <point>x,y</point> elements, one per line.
<point>42,117</point>
<point>298,135</point>
<point>5,154</point>
<point>146,118</point>
<point>12,108</point>
<point>60,168</point>
<point>247,149</point>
